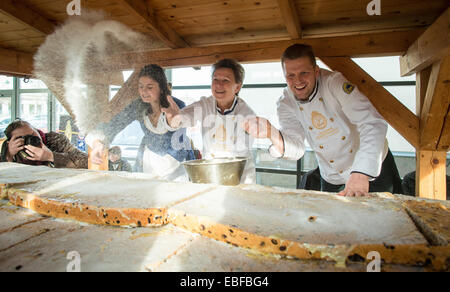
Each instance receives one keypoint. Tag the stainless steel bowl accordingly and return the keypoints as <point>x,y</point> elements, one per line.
<point>222,171</point>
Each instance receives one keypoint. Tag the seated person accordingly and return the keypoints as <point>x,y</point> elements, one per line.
<point>51,149</point>
<point>116,162</point>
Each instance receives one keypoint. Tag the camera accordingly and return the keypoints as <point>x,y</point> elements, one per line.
<point>31,140</point>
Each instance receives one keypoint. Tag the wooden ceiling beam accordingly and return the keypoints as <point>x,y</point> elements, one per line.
<point>382,44</point>
<point>23,14</point>
<point>290,18</point>
<point>430,47</point>
<point>435,108</point>
<point>16,63</point>
<point>393,111</point>
<point>141,10</point>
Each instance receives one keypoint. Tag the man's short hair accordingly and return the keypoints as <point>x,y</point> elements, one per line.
<point>115,151</point>
<point>299,51</point>
<point>18,123</point>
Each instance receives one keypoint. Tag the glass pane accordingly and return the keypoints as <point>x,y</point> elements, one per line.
<point>264,73</point>
<point>263,101</point>
<point>405,94</point>
<point>33,108</point>
<point>131,135</point>
<point>191,96</point>
<point>113,90</point>
<point>32,84</point>
<point>129,140</point>
<point>5,114</point>
<point>276,180</point>
<point>6,82</point>
<point>309,161</point>
<point>383,68</point>
<point>263,160</point>
<point>190,76</point>
<point>60,112</point>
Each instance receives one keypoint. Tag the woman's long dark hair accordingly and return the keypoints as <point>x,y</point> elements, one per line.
<point>156,73</point>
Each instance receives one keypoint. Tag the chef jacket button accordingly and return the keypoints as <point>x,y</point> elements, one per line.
<point>321,99</point>
<point>311,128</point>
<point>351,151</point>
<point>301,108</point>
<point>331,161</point>
<point>332,120</point>
<point>321,147</point>
<point>341,172</point>
<point>343,138</point>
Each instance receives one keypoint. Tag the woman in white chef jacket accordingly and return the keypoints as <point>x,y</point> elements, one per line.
<point>221,117</point>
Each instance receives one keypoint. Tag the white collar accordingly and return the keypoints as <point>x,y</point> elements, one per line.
<point>160,129</point>
<point>312,96</point>
<point>231,109</point>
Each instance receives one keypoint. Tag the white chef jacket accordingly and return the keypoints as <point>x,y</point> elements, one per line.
<point>340,124</point>
<point>222,134</point>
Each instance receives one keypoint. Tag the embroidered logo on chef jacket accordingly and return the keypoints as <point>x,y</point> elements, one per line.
<point>223,137</point>
<point>319,121</point>
<point>221,134</point>
<point>348,88</point>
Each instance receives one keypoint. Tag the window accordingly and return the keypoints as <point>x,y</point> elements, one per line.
<point>28,105</point>
<point>5,114</point>
<point>6,83</point>
<point>383,68</point>
<point>32,84</point>
<point>60,111</point>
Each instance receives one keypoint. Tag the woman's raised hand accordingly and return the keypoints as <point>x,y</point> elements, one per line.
<point>172,113</point>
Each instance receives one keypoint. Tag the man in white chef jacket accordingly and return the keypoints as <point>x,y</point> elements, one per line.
<point>340,124</point>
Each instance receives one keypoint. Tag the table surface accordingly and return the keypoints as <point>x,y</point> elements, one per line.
<point>205,227</point>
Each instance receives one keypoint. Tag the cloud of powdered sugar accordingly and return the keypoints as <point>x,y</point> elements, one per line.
<point>74,63</point>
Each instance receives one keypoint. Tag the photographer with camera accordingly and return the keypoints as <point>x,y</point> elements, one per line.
<point>27,145</point>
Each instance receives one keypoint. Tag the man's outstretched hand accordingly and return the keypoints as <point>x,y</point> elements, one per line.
<point>357,186</point>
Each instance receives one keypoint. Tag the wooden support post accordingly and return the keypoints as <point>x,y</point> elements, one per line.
<point>433,107</point>
<point>100,95</point>
<point>422,79</point>
<point>126,95</point>
<point>431,175</point>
